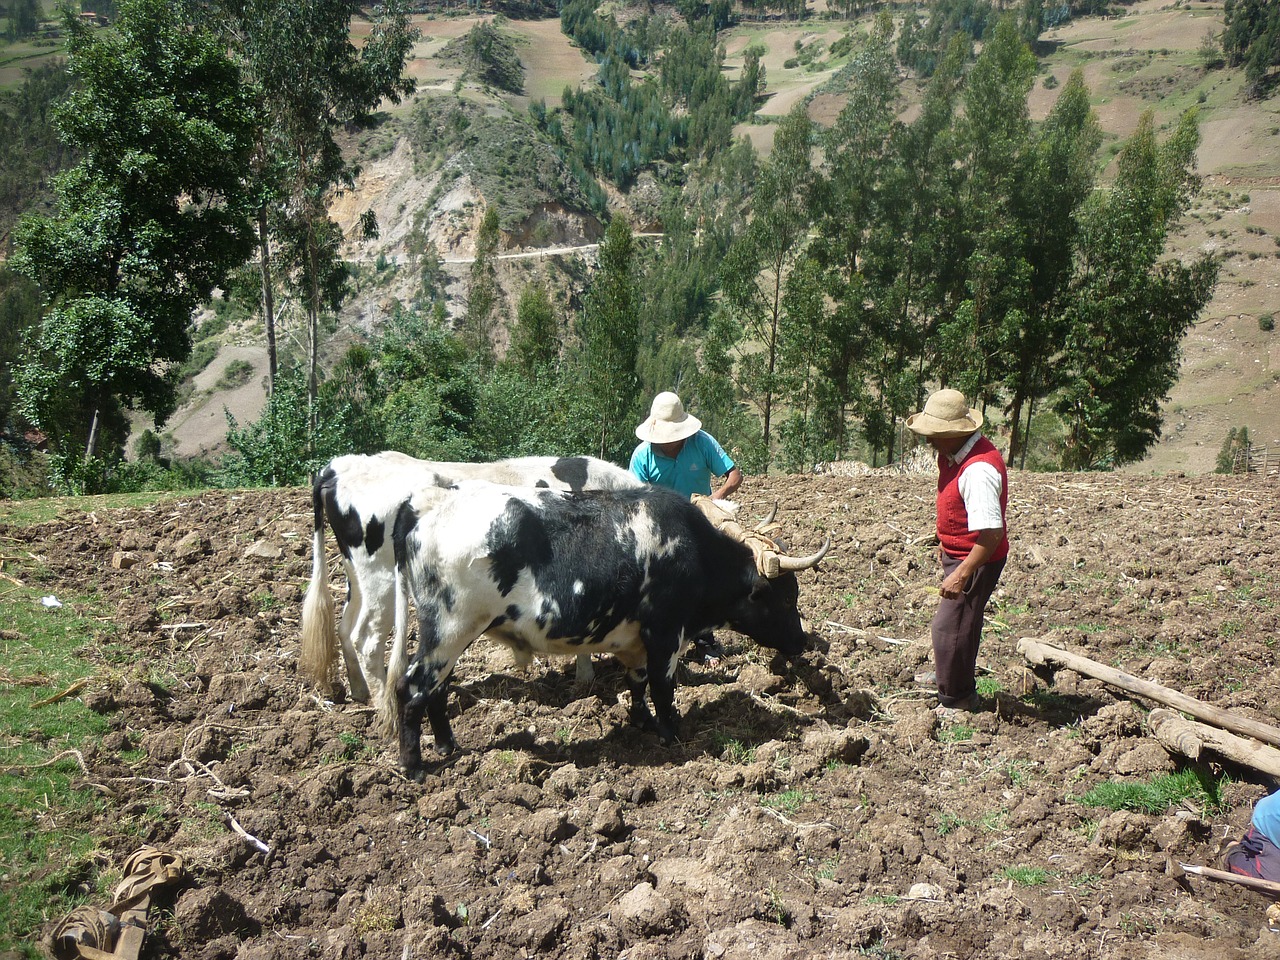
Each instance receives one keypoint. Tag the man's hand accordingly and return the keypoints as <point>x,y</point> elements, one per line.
<point>956,581</point>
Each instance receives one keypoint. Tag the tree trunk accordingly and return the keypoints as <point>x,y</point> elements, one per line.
<point>91,447</point>
<point>268,297</point>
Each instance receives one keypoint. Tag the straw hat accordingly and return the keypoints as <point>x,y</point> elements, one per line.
<point>668,421</point>
<point>946,414</point>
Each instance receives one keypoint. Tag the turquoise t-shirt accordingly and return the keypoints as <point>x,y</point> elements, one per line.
<point>700,459</point>
<point>1266,817</point>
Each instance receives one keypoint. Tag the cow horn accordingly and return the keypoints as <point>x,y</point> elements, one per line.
<point>792,564</point>
<point>760,525</point>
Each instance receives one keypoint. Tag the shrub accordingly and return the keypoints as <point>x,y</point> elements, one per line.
<point>1267,322</point>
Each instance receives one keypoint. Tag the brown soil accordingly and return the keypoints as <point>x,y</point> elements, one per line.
<point>794,819</point>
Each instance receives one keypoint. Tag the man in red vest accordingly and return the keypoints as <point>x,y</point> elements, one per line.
<point>973,499</point>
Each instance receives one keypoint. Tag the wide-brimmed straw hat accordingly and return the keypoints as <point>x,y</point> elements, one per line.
<point>946,414</point>
<point>668,421</point>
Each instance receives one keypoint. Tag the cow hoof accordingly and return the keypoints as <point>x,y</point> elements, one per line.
<point>416,774</point>
<point>447,749</point>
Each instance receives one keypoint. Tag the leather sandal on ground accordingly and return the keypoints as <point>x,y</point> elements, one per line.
<point>84,927</point>
<point>87,933</point>
<point>146,869</point>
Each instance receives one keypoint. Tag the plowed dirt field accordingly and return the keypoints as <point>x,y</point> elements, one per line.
<point>801,809</point>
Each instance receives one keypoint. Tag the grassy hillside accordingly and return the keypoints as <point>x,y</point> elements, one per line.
<point>1149,59</point>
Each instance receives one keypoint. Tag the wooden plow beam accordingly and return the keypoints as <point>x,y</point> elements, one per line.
<point>1042,653</point>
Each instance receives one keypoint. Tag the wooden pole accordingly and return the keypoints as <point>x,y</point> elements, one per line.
<point>1043,653</point>
<point>1253,883</point>
<point>1188,738</point>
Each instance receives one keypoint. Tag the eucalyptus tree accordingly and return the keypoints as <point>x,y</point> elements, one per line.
<point>535,339</point>
<point>1130,305</point>
<point>145,225</point>
<point>309,79</point>
<point>850,200</point>
<point>1061,176</point>
<point>608,330</point>
<point>996,134</point>
<point>755,268</point>
<point>911,258</point>
<point>482,294</point>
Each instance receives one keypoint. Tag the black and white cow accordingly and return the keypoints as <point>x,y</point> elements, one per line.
<point>359,496</point>
<point>635,573</point>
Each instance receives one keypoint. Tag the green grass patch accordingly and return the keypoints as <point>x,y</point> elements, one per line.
<point>1025,876</point>
<point>1159,793</point>
<point>988,687</point>
<point>788,801</point>
<point>956,733</point>
<point>26,513</point>
<point>733,750</point>
<point>46,856</point>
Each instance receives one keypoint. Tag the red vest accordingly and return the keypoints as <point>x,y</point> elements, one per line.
<point>953,521</point>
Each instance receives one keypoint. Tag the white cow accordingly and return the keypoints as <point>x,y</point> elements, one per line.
<point>359,495</point>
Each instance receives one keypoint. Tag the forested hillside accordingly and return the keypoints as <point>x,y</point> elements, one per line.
<point>853,206</point>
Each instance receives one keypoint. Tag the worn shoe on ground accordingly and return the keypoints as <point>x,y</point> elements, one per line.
<point>927,678</point>
<point>958,710</point>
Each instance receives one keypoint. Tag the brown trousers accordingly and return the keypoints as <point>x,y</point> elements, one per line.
<point>957,631</point>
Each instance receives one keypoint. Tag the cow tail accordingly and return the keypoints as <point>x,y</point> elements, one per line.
<point>397,662</point>
<point>319,654</point>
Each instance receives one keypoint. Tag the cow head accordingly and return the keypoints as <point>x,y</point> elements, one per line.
<point>769,614</point>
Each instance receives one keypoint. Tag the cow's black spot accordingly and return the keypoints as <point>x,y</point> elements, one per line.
<point>348,530</point>
<point>517,540</point>
<point>572,472</point>
<point>542,485</point>
<point>406,521</point>
<point>513,613</point>
<point>374,535</point>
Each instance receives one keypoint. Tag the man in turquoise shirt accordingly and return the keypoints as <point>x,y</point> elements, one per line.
<point>675,452</point>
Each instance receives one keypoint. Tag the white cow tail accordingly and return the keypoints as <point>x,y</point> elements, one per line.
<point>319,654</point>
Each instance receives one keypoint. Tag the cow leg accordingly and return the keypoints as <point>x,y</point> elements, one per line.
<point>413,700</point>
<point>438,714</point>
<point>421,689</point>
<point>370,640</point>
<point>352,615</point>
<point>638,684</point>
<point>662,687</point>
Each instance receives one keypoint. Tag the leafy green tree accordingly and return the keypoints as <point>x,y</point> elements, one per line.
<point>30,150</point>
<point>609,334</point>
<point>146,225</point>
<point>19,311</point>
<point>535,341</point>
<point>1129,309</point>
<point>1252,38</point>
<point>282,447</point>
<point>996,135</point>
<point>24,18</point>
<point>850,201</point>
<point>482,296</point>
<point>756,266</point>
<point>309,80</point>
<point>1061,176</point>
